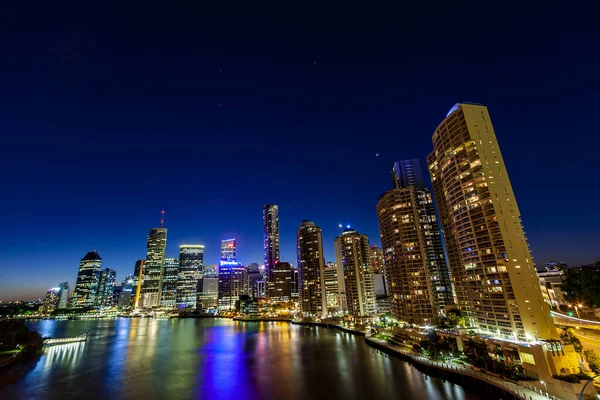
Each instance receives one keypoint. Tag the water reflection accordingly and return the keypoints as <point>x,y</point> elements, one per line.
<point>218,359</point>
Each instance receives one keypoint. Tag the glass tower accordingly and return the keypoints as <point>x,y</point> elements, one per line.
<point>191,259</point>
<point>87,280</point>
<point>153,268</point>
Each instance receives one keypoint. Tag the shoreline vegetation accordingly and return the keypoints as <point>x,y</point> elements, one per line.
<point>20,349</point>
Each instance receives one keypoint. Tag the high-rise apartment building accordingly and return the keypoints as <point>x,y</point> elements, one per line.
<point>375,259</point>
<point>153,267</point>
<point>168,297</point>
<point>311,279</point>
<point>332,288</point>
<point>51,300</point>
<point>271,240</point>
<point>492,268</point>
<point>87,280</point>
<point>280,283</point>
<point>191,259</point>
<point>352,254</point>
<point>106,288</point>
<point>415,268</point>
<point>228,249</point>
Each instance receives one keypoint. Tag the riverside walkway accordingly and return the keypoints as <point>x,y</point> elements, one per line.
<point>519,391</point>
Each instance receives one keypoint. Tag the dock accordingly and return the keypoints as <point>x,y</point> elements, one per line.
<point>55,341</point>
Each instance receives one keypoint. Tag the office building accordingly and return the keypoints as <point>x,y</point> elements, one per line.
<point>51,300</point>
<point>232,275</point>
<point>191,259</point>
<point>254,276</point>
<point>280,284</point>
<point>492,269</point>
<point>87,280</point>
<point>63,300</point>
<point>271,240</point>
<point>168,297</point>
<point>415,268</point>
<point>311,280</point>
<point>352,254</point>
<point>228,249</point>
<point>153,267</point>
<point>125,298</point>
<point>106,288</point>
<point>294,284</point>
<point>208,294</point>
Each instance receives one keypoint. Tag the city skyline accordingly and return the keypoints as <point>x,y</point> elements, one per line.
<point>95,114</point>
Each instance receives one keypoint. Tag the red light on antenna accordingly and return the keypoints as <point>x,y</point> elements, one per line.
<point>162,212</point>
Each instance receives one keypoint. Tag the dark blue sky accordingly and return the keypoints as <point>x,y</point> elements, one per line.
<point>108,117</point>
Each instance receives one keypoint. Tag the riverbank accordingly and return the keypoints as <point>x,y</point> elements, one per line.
<point>460,375</point>
<point>20,350</point>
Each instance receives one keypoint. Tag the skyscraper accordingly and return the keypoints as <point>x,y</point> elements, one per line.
<point>153,267</point>
<point>191,259</point>
<point>127,292</point>
<point>271,240</point>
<point>232,283</point>
<point>87,280</point>
<point>352,253</point>
<point>280,284</point>
<point>168,297</point>
<point>407,173</point>
<point>375,259</point>
<point>228,249</point>
<point>309,247</point>
<point>64,295</point>
<point>492,268</point>
<point>415,268</point>
<point>332,288</point>
<point>51,300</point>
<point>138,277</point>
<point>106,287</point>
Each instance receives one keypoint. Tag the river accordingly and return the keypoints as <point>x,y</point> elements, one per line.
<point>218,359</point>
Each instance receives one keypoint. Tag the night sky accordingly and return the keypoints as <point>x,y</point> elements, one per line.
<point>109,117</point>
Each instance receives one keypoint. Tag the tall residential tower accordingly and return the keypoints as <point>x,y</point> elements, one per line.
<point>271,240</point>
<point>352,254</point>
<point>417,275</point>
<point>311,264</point>
<point>492,269</point>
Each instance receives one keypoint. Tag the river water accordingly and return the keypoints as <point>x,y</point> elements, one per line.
<point>218,359</point>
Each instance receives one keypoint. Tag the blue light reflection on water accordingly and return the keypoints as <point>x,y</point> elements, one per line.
<point>218,359</point>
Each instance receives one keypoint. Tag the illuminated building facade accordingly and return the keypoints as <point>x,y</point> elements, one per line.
<point>127,292</point>
<point>232,284</point>
<point>333,281</point>
<point>168,297</point>
<point>492,269</point>
<point>280,284</point>
<point>107,280</point>
<point>415,268</point>
<point>311,265</point>
<point>375,259</point>
<point>63,300</point>
<point>228,249</point>
<point>254,276</point>
<point>271,241</point>
<point>87,280</point>
<point>153,268</point>
<point>138,274</point>
<point>51,300</point>
<point>352,254</point>
<point>208,294</point>
<point>294,284</point>
<point>191,259</point>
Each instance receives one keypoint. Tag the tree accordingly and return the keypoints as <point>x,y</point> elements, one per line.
<point>593,360</point>
<point>453,319</point>
<point>581,285</point>
<point>568,336</point>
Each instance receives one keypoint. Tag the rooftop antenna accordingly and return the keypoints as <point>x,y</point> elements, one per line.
<point>162,218</point>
